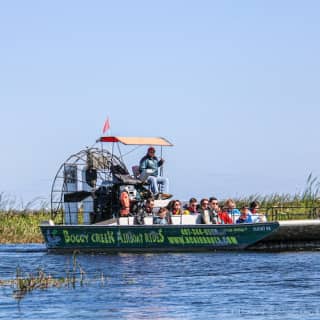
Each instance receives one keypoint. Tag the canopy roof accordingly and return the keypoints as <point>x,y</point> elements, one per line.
<point>154,141</point>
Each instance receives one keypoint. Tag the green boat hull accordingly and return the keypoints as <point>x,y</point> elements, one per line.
<point>154,238</point>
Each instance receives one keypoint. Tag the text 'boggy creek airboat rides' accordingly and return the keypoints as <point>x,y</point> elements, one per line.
<point>97,205</point>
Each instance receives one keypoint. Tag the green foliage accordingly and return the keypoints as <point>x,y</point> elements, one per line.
<point>303,205</point>
<point>22,227</point>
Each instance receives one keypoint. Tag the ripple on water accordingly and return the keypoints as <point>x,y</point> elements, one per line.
<point>167,286</point>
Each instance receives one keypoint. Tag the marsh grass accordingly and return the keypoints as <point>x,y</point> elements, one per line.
<point>24,283</point>
<point>303,205</point>
<point>21,227</point>
<point>19,222</point>
<point>308,196</point>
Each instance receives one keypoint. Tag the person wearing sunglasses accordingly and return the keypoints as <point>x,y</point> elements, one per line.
<point>215,209</point>
<point>218,215</point>
<point>204,210</point>
<point>150,165</point>
<point>192,207</point>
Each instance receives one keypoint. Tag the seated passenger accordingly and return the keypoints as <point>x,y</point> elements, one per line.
<point>150,164</point>
<point>254,207</point>
<point>192,207</point>
<point>146,210</point>
<point>245,216</point>
<point>256,216</point>
<point>224,217</point>
<point>230,205</point>
<point>230,208</point>
<point>174,207</point>
<point>148,207</point>
<point>163,217</point>
<point>204,210</point>
<point>215,209</point>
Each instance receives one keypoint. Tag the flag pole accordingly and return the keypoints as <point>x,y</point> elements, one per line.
<point>106,128</point>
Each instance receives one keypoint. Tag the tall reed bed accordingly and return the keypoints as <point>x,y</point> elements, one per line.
<point>21,227</point>
<point>309,197</point>
<point>301,205</point>
<point>19,222</point>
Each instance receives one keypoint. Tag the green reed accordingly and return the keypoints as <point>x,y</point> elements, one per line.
<point>301,205</point>
<point>24,283</point>
<point>21,227</point>
<point>19,222</point>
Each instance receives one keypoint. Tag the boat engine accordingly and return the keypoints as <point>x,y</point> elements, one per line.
<point>132,198</point>
<point>105,203</point>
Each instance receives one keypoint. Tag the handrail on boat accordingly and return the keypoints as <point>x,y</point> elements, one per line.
<point>271,213</point>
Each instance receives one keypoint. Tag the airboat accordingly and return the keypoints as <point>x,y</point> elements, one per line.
<point>88,212</point>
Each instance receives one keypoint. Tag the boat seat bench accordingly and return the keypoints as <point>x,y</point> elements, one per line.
<point>176,220</point>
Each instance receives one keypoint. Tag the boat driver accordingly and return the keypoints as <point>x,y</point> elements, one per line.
<point>150,165</point>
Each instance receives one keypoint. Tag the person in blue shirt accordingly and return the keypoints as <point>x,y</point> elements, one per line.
<point>150,164</point>
<point>163,217</point>
<point>245,216</point>
<point>230,208</point>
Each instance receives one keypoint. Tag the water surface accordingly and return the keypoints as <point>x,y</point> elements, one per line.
<point>167,286</point>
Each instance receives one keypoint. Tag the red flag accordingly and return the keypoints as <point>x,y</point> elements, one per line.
<point>106,126</point>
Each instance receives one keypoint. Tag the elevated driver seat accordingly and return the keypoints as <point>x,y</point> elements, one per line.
<point>137,175</point>
<point>136,171</point>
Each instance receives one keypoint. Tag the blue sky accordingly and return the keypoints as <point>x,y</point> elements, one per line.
<point>233,84</point>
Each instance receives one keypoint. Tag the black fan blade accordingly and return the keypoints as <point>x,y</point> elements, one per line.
<point>76,196</point>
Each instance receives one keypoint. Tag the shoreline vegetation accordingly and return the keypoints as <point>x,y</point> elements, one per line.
<point>22,225</point>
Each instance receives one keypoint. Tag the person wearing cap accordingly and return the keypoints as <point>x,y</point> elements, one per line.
<point>150,164</point>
